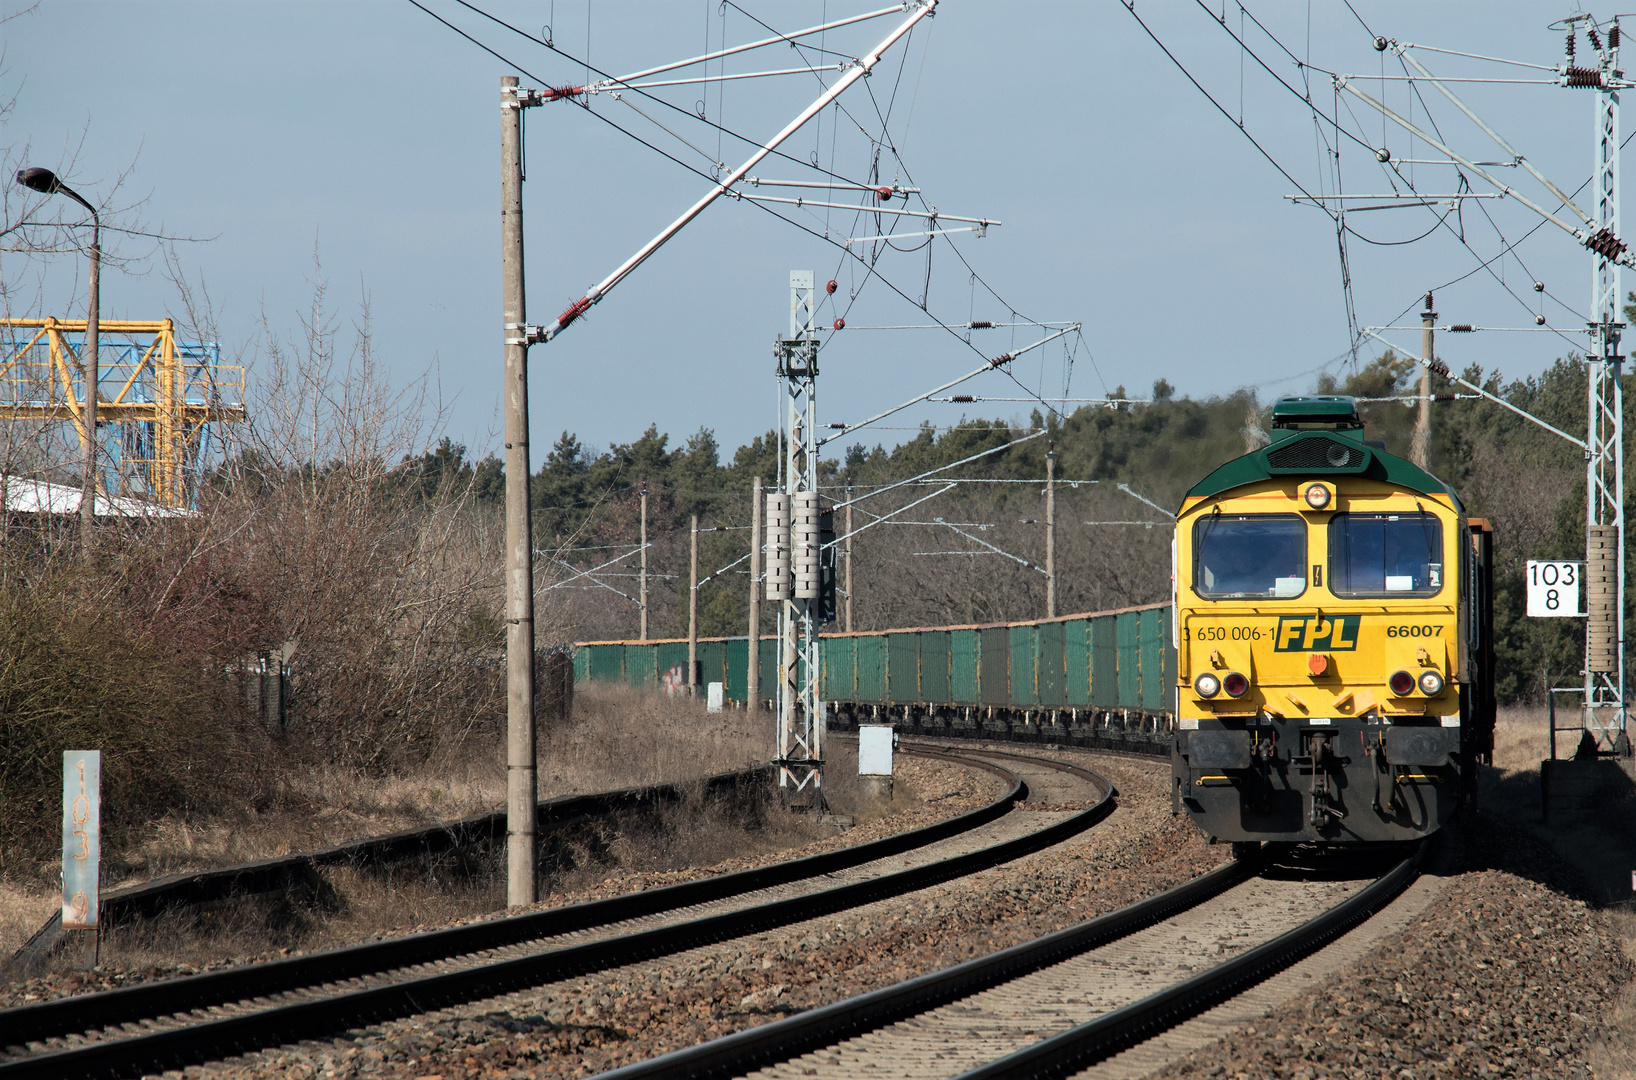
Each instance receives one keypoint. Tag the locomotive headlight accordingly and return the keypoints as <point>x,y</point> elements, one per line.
<point>1401,683</point>
<point>1206,685</point>
<point>1317,496</point>
<point>1431,683</point>
<point>1235,684</point>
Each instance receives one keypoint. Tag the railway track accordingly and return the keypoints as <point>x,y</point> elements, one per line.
<point>1059,1005</point>
<point>174,1023</point>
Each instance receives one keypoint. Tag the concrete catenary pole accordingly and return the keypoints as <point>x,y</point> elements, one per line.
<point>93,375</point>
<point>693,607</point>
<point>1051,532</point>
<point>642,586</point>
<point>848,527</point>
<point>522,797</point>
<point>752,670</point>
<point>1420,446</point>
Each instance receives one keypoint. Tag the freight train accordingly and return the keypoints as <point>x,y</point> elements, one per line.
<point>1104,679</point>
<point>1334,632</point>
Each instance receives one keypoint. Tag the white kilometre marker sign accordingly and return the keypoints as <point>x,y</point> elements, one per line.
<point>1554,589</point>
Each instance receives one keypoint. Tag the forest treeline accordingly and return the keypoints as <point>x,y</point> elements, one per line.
<point>965,555</point>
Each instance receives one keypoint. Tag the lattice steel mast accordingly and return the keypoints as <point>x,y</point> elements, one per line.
<point>1605,718</point>
<point>794,518</point>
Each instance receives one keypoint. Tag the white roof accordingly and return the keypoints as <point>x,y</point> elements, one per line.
<point>28,496</point>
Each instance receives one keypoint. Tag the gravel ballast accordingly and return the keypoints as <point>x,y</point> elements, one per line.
<point>596,1023</point>
<point>1506,975</point>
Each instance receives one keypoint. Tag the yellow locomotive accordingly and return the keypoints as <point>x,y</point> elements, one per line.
<point>1334,640</point>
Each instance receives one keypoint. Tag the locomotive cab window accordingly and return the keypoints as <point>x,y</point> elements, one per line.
<point>1249,555</point>
<point>1385,554</point>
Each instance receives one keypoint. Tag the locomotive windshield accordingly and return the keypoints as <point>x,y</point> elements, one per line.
<point>1249,555</point>
<point>1385,554</point>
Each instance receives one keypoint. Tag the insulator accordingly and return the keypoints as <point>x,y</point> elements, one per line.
<point>1380,44</point>
<point>1461,328</point>
<point>778,546</point>
<point>840,324</point>
<point>1585,78</point>
<point>1428,300</point>
<point>1605,244</point>
<point>804,545</point>
<point>1613,36</point>
<point>1595,38</point>
<point>963,397</point>
<point>980,324</point>
<point>830,286</point>
<point>1571,38</point>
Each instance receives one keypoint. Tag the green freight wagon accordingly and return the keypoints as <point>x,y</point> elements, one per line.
<point>1102,661</point>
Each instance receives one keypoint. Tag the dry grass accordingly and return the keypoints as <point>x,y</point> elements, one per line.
<point>621,737</point>
<point>618,738</point>
<point>1522,739</point>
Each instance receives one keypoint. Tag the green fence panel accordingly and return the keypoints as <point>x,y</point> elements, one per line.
<point>607,663</point>
<point>1048,663</point>
<point>1076,662</point>
<point>582,665</point>
<point>992,662</point>
<point>840,668</point>
<point>738,669</point>
<point>1104,662</point>
<point>871,650</point>
<point>1129,631</point>
<point>934,667</point>
<point>1023,646</point>
<point>903,667</point>
<point>965,656</point>
<point>641,666</point>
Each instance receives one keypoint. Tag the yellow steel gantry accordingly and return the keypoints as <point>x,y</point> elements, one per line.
<point>165,398</point>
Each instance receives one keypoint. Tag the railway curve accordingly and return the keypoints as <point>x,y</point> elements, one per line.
<point>206,1017</point>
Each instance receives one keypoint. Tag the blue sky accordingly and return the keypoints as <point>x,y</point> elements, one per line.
<point>370,131</point>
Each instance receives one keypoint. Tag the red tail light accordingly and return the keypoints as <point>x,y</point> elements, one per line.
<point>1402,683</point>
<point>1235,684</point>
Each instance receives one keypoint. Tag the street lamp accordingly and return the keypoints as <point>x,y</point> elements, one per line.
<point>46,183</point>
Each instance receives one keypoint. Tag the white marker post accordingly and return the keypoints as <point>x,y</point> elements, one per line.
<point>875,743</point>
<point>1554,589</point>
<point>81,838</point>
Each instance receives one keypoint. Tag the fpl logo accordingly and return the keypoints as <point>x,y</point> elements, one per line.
<point>1315,633</point>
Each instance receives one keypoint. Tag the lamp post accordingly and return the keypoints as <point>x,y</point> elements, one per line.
<point>46,183</point>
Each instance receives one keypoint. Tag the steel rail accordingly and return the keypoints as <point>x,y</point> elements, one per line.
<point>1080,1047</point>
<point>1135,744</point>
<point>89,1012</point>
<point>783,1040</point>
<point>279,1025</point>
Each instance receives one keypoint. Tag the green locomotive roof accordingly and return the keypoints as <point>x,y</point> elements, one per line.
<point>1319,437</point>
<point>1330,409</point>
